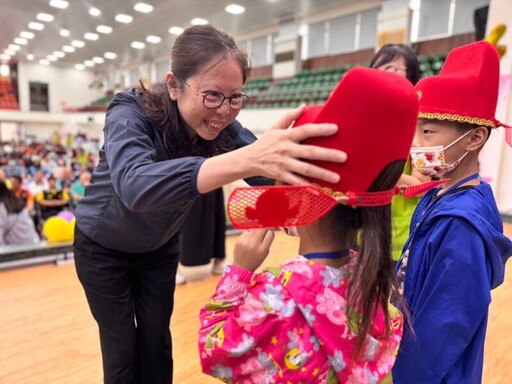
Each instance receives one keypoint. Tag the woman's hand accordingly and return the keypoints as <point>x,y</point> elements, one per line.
<point>279,155</point>
<point>252,248</point>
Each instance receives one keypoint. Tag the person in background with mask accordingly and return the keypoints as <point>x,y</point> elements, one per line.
<point>324,316</point>
<point>401,60</point>
<point>456,251</point>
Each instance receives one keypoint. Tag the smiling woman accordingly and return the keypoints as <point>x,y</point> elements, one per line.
<point>165,147</point>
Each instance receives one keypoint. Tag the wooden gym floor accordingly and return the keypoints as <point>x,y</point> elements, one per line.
<point>47,334</point>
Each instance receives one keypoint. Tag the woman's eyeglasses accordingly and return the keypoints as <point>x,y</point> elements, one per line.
<point>213,99</point>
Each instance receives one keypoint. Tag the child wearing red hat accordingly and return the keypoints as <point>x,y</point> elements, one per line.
<point>324,316</point>
<point>456,251</point>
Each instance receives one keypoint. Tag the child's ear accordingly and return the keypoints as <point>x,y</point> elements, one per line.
<point>478,138</point>
<point>172,85</point>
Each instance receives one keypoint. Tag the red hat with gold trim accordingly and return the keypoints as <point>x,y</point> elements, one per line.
<point>466,89</point>
<point>376,113</point>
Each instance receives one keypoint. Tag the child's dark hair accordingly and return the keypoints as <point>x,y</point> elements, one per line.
<point>390,52</point>
<point>369,230</point>
<point>195,48</point>
<point>12,204</point>
<point>464,127</point>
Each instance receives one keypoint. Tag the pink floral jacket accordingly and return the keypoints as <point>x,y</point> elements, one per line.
<point>291,325</point>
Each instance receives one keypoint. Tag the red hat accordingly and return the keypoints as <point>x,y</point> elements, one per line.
<point>376,113</point>
<point>466,89</point>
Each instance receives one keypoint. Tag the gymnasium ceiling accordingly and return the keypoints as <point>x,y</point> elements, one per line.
<point>15,15</point>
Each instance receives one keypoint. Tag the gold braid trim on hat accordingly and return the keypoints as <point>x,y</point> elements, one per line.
<point>330,192</point>
<point>457,118</point>
<point>340,197</point>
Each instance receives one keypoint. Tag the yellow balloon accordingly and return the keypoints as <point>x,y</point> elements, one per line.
<point>56,230</point>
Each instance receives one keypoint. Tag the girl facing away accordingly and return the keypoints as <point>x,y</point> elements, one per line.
<point>324,316</point>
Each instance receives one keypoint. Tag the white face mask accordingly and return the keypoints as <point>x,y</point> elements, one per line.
<point>431,161</point>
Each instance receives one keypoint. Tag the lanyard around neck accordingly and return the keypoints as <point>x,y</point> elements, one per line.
<point>463,181</point>
<point>327,255</point>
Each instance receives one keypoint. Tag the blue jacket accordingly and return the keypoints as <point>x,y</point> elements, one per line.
<point>139,196</point>
<point>457,255</point>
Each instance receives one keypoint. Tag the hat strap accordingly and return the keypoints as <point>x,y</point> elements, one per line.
<point>277,206</point>
<point>368,199</point>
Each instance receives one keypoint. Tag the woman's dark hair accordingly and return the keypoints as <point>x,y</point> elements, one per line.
<point>369,230</point>
<point>12,204</point>
<point>197,48</point>
<point>390,52</point>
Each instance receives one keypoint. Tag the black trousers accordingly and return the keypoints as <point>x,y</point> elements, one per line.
<point>203,233</point>
<point>131,297</point>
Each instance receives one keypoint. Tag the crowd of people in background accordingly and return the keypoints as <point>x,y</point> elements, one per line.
<point>47,176</point>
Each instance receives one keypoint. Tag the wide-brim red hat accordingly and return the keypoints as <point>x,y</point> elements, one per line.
<point>466,89</point>
<point>376,113</point>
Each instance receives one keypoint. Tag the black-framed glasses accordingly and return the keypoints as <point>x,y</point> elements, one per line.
<point>214,99</point>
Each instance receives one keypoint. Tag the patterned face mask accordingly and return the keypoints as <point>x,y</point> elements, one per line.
<point>431,161</point>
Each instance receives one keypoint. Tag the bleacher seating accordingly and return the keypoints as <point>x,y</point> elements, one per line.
<point>7,98</point>
<point>99,105</point>
<point>313,86</point>
<point>307,86</point>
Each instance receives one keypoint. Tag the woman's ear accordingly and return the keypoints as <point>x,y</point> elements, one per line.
<point>172,85</point>
<point>477,139</point>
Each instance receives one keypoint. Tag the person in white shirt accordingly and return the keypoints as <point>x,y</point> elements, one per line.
<point>16,225</point>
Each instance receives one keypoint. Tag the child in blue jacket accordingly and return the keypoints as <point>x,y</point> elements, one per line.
<point>456,251</point>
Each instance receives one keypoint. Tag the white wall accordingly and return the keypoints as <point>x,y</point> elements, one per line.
<point>43,124</point>
<point>259,120</point>
<point>64,85</point>
<point>496,157</point>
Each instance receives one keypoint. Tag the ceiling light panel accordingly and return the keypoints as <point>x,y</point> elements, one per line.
<point>94,12</point>
<point>198,21</point>
<point>44,17</point>
<point>61,4</point>
<point>36,26</point>
<point>64,32</point>
<point>122,18</point>
<point>20,41</point>
<point>110,55</point>
<point>104,29</point>
<point>68,49</point>
<point>27,35</point>
<point>143,7</point>
<point>78,43</point>
<point>137,45</point>
<point>176,31</point>
<point>234,9</point>
<point>91,36</point>
<point>80,67</point>
<point>98,60</point>
<point>153,39</point>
